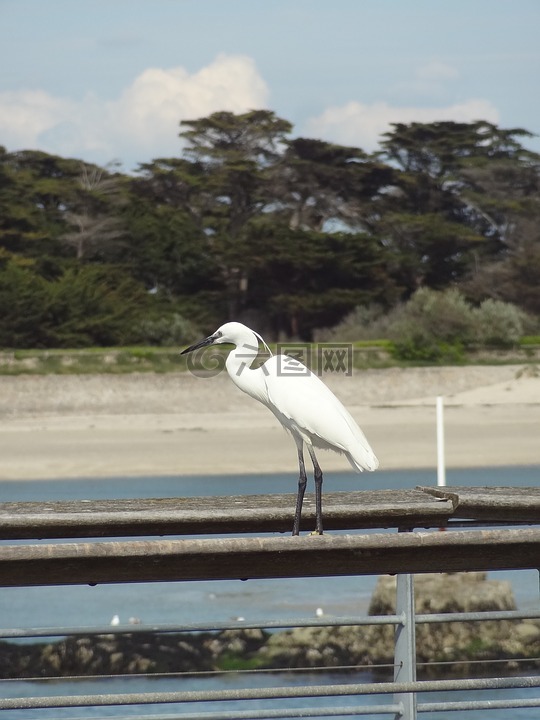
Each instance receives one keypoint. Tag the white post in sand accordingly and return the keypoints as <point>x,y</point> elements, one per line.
<point>441,470</point>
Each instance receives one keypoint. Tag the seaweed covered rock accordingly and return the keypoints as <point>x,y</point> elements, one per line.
<point>447,642</point>
<point>128,653</point>
<point>455,641</point>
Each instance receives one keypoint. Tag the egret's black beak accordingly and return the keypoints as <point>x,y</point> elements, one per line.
<point>203,343</point>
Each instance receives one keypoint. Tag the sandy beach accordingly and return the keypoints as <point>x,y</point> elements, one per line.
<point>176,424</point>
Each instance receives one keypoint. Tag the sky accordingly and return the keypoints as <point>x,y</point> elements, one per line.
<point>110,80</point>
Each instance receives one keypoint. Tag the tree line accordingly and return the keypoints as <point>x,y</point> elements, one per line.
<point>287,233</point>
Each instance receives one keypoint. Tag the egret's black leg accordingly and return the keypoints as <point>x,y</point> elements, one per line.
<point>318,476</point>
<point>302,482</point>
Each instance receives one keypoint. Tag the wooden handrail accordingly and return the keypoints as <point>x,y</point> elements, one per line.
<point>267,557</point>
<point>218,515</point>
<point>404,509</point>
<point>154,557</point>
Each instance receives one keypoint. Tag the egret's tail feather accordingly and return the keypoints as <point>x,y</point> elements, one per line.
<point>363,459</point>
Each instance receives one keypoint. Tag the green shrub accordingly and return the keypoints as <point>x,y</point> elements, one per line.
<point>435,326</point>
<point>434,316</point>
<point>499,323</point>
<point>432,327</point>
<point>365,322</point>
<point>169,330</point>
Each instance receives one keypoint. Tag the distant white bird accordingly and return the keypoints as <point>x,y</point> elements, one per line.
<point>301,402</point>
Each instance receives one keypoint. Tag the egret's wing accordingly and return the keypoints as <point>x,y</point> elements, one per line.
<point>298,396</point>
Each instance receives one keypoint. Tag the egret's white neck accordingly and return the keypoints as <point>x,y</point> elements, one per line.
<point>238,364</point>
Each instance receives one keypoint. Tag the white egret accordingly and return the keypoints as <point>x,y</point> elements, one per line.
<point>302,403</point>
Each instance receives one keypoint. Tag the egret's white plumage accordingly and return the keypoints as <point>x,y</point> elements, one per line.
<point>302,403</point>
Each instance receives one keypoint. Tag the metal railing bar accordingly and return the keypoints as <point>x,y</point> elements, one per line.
<point>484,661</point>
<point>211,673</point>
<point>478,705</point>
<point>326,621</point>
<point>450,523</point>
<point>268,714</point>
<point>477,616</point>
<point>162,698</point>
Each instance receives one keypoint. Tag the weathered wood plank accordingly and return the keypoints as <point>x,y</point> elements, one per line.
<point>422,507</point>
<point>269,557</point>
<point>511,504</point>
<point>211,515</point>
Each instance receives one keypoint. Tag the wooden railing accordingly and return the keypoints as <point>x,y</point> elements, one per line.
<point>139,541</point>
<point>167,558</point>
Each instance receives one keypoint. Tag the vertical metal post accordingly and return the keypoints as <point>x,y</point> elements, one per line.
<point>441,463</point>
<point>405,646</point>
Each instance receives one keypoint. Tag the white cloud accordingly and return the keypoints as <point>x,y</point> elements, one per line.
<point>361,125</point>
<point>24,114</point>
<point>141,123</point>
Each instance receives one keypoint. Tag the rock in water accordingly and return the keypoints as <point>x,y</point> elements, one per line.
<point>456,642</point>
